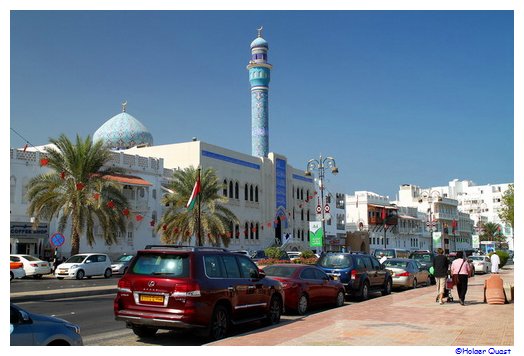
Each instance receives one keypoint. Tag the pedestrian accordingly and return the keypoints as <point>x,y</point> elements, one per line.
<point>382,258</point>
<point>440,271</point>
<point>495,262</point>
<point>460,267</point>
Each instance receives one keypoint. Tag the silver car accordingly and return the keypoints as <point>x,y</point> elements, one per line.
<point>120,265</point>
<point>482,263</point>
<point>407,273</point>
<point>28,329</point>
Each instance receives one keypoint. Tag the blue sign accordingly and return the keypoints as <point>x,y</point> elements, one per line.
<point>57,239</point>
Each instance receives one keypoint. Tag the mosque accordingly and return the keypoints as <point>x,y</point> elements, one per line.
<point>271,199</point>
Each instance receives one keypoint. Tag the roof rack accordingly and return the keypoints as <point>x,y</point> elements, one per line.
<point>183,247</point>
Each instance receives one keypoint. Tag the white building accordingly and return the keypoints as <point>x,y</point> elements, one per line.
<point>482,202</point>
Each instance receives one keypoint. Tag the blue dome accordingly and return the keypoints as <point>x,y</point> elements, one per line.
<point>123,131</point>
<point>259,42</point>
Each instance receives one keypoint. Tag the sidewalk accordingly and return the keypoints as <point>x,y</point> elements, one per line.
<point>408,318</point>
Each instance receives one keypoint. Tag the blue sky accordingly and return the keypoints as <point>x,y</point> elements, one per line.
<point>418,97</point>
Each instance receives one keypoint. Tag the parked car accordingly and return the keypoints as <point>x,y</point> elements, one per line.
<point>33,266</point>
<point>85,265</point>
<point>392,252</point>
<point>242,252</point>
<point>121,264</point>
<point>407,273</point>
<point>293,255</point>
<point>306,286</point>
<point>359,273</point>
<point>453,255</point>
<point>206,288</point>
<point>482,264</point>
<point>17,270</point>
<point>29,329</point>
<point>426,260</point>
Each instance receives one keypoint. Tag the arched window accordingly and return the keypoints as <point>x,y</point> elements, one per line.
<point>308,215</point>
<point>256,232</point>
<point>153,217</point>
<point>237,231</point>
<point>256,194</point>
<point>246,192</point>
<point>231,189</point>
<point>251,193</point>
<point>251,232</point>
<point>246,230</point>
<point>236,190</point>
<point>224,189</point>
<point>130,230</point>
<point>301,194</point>
<point>298,193</point>
<point>302,214</point>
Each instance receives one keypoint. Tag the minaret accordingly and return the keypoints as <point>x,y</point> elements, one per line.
<point>259,70</point>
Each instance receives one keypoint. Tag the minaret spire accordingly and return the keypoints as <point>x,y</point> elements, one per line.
<point>259,76</point>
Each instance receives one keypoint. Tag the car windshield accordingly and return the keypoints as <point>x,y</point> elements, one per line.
<point>161,264</point>
<point>421,256</point>
<point>279,271</point>
<point>398,264</point>
<point>30,258</point>
<point>76,259</point>
<point>124,258</point>
<point>335,261</point>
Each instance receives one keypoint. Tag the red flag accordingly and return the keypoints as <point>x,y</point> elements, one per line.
<point>196,190</point>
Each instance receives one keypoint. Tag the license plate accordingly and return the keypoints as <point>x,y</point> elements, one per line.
<point>146,298</point>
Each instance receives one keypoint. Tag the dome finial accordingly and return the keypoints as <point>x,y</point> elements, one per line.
<point>260,31</point>
<point>124,105</point>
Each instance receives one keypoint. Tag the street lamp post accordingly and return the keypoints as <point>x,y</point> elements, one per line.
<point>429,195</point>
<point>320,164</point>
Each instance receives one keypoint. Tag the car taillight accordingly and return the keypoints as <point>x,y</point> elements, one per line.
<point>124,285</point>
<point>34,264</point>
<point>403,274</point>
<point>354,274</point>
<point>190,289</point>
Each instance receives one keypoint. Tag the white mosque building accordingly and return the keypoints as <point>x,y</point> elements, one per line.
<point>271,199</point>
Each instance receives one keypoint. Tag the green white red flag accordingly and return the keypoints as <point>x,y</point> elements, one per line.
<point>194,195</point>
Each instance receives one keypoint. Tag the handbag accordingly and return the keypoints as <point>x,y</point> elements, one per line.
<point>455,276</point>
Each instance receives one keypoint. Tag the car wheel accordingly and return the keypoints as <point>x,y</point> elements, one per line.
<point>414,283</point>
<point>80,274</point>
<point>37,276</point>
<point>275,309</point>
<point>364,291</point>
<point>341,297</point>
<point>108,273</point>
<point>388,287</point>
<point>144,331</point>
<point>219,326</point>
<point>302,305</point>
<point>59,277</point>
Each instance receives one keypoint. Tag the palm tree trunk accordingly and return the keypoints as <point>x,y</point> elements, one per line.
<point>75,238</point>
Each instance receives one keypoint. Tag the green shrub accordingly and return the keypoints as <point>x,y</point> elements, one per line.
<point>307,254</point>
<point>275,252</point>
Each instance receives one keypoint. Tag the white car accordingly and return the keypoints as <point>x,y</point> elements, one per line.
<point>121,264</point>
<point>85,265</point>
<point>482,263</point>
<point>293,255</point>
<point>32,266</point>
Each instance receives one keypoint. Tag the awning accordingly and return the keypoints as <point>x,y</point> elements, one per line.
<point>125,179</point>
<point>384,206</point>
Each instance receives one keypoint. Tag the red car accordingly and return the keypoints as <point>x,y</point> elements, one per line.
<point>305,286</point>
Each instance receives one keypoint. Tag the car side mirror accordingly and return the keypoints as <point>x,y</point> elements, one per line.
<point>261,274</point>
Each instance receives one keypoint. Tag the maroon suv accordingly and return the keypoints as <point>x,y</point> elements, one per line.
<point>172,287</point>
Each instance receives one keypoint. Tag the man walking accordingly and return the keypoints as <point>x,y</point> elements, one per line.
<point>495,262</point>
<point>440,271</point>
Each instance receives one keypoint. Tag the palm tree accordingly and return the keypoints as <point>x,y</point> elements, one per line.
<point>491,232</point>
<point>178,224</point>
<point>76,190</point>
